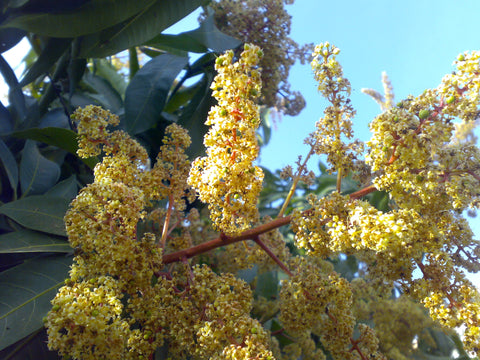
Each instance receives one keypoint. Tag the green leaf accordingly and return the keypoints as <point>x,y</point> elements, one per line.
<point>265,125</point>
<point>195,113</point>
<point>174,43</point>
<point>9,38</point>
<point>208,35</point>
<point>15,94</point>
<point>25,294</point>
<point>7,123</point>
<point>322,167</point>
<point>38,212</point>
<point>182,97</point>
<point>138,29</point>
<point>107,95</point>
<point>55,118</point>
<point>63,138</point>
<point>107,71</point>
<point>267,284</point>
<point>54,48</point>
<point>147,92</point>
<point>92,17</point>
<point>66,189</point>
<point>37,173</point>
<point>27,241</point>
<point>380,199</point>
<point>75,70</point>
<point>282,338</point>
<point>9,164</point>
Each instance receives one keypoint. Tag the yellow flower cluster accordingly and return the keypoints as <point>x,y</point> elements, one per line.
<point>408,148</point>
<point>213,321</point>
<point>121,302</point>
<point>113,261</point>
<point>336,124</point>
<point>86,315</point>
<point>399,322</point>
<point>226,178</point>
<point>396,243</point>
<point>266,23</point>
<point>312,301</point>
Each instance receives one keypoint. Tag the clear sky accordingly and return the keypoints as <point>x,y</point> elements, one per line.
<point>414,41</point>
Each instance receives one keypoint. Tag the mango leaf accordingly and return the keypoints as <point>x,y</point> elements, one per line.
<point>9,165</point>
<point>175,44</point>
<point>267,284</point>
<point>6,123</point>
<point>25,294</point>
<point>265,125</point>
<point>107,95</point>
<point>92,17</point>
<point>55,118</point>
<point>15,94</point>
<point>181,97</point>
<point>38,212</point>
<point>37,173</point>
<point>147,92</point>
<point>32,347</point>
<point>66,189</point>
<point>138,29</point>
<point>27,241</point>
<point>194,115</point>
<point>75,70</point>
<point>16,3</point>
<point>63,138</point>
<point>208,35</point>
<point>9,38</point>
<point>52,51</point>
<point>380,199</point>
<point>282,338</point>
<point>107,71</point>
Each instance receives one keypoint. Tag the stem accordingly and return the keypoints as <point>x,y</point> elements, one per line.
<point>163,240</point>
<point>250,234</point>
<point>339,180</point>
<point>272,255</point>
<point>223,240</point>
<point>295,183</point>
<point>133,61</point>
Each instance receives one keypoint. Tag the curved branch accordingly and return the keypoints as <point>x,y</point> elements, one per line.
<point>250,234</point>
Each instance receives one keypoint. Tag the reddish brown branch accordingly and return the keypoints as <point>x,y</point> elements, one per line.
<point>250,234</point>
<point>225,240</point>
<point>272,255</point>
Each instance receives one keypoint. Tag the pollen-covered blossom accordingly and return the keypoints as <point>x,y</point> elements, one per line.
<point>213,321</point>
<point>432,176</point>
<point>226,178</point>
<point>266,23</point>
<point>314,229</point>
<point>85,321</point>
<point>336,124</point>
<point>409,149</point>
<point>318,302</point>
<point>110,309</point>
<point>398,321</point>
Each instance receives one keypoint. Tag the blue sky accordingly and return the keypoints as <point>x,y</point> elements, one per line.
<point>414,41</point>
